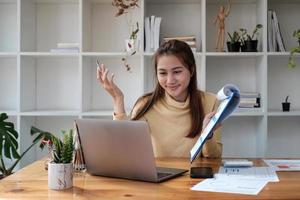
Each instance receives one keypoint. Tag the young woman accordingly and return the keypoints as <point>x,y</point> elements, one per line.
<point>176,111</point>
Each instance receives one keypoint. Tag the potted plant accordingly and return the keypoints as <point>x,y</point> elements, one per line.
<point>60,167</point>
<point>249,42</point>
<point>286,105</point>
<point>233,44</point>
<point>126,7</point>
<point>9,145</point>
<point>294,50</point>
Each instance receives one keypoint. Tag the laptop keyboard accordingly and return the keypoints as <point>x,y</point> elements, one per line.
<point>162,174</point>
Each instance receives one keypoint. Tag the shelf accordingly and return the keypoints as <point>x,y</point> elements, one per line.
<point>243,14</point>
<point>46,23</point>
<point>97,16</point>
<point>248,112</point>
<point>8,83</point>
<point>50,113</point>
<point>174,24</point>
<point>110,54</point>
<point>8,23</point>
<point>7,55</point>
<point>48,54</point>
<point>279,113</point>
<point>235,54</point>
<point>10,112</point>
<point>50,90</point>
<point>50,83</point>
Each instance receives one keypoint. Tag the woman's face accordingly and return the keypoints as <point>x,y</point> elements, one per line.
<point>173,77</point>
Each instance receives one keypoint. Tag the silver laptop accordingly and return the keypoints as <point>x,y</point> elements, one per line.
<point>121,149</point>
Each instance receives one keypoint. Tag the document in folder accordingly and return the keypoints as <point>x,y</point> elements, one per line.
<point>229,97</point>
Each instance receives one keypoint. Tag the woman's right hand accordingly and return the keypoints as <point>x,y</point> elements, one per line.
<point>108,83</point>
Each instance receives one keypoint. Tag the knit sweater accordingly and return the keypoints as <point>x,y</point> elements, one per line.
<point>170,121</point>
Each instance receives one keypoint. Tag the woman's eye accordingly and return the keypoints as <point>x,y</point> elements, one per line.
<point>177,72</point>
<point>162,73</point>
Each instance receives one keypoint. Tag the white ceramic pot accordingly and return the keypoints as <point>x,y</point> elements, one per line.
<point>60,176</point>
<point>132,45</point>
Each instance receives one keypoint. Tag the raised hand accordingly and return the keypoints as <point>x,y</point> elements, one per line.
<point>108,84</point>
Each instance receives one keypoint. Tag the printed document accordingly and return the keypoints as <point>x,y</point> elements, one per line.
<point>284,165</point>
<point>231,185</point>
<point>229,97</point>
<point>258,173</point>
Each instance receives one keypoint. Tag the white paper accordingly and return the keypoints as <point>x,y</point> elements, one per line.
<point>284,165</point>
<point>258,173</point>
<point>231,185</point>
<point>229,96</point>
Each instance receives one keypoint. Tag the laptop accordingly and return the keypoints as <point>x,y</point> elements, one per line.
<point>121,149</point>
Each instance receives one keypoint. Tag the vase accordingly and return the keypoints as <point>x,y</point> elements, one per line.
<point>233,47</point>
<point>249,46</point>
<point>132,46</point>
<point>60,176</point>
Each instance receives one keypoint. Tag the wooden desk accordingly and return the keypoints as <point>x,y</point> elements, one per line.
<point>31,183</point>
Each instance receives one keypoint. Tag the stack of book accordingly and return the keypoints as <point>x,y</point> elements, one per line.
<point>66,48</point>
<point>190,40</point>
<point>152,30</point>
<point>249,100</point>
<point>275,40</point>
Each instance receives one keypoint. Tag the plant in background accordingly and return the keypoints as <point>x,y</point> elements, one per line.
<point>235,37</point>
<point>126,7</point>
<point>247,37</point>
<point>9,145</point>
<point>249,42</point>
<point>233,44</point>
<point>61,150</point>
<point>294,50</point>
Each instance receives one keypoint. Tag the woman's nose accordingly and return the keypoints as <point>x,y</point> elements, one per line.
<point>170,79</point>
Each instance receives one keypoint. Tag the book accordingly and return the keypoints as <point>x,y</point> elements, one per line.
<point>278,34</point>
<point>147,34</point>
<point>229,97</point>
<point>67,45</point>
<point>65,50</point>
<point>156,32</point>
<point>270,31</point>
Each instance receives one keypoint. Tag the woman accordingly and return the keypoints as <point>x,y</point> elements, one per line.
<point>176,111</point>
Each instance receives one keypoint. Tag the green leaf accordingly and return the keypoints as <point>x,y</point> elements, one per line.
<point>9,138</point>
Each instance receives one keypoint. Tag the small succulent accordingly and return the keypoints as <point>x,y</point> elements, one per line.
<point>61,150</point>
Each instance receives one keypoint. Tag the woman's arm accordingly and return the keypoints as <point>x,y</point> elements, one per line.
<point>109,85</point>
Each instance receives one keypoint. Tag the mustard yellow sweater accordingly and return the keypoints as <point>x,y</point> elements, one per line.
<point>169,122</point>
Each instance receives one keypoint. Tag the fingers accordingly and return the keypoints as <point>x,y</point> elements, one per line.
<point>210,115</point>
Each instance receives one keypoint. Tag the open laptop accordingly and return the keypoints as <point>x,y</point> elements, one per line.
<point>122,149</point>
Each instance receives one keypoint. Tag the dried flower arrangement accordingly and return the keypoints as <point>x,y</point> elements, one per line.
<point>125,7</point>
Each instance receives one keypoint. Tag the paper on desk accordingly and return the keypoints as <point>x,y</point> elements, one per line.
<point>284,165</point>
<point>235,185</point>
<point>258,173</point>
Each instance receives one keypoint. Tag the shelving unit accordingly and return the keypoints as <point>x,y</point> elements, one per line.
<point>50,90</point>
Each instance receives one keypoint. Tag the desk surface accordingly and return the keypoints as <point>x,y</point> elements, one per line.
<point>31,183</point>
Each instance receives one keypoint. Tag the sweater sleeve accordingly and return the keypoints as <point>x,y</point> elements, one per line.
<point>137,107</point>
<point>213,147</point>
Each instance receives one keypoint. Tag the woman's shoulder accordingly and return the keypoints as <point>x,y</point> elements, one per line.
<point>209,101</point>
<point>207,96</point>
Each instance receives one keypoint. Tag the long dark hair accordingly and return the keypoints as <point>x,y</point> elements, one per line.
<point>184,53</point>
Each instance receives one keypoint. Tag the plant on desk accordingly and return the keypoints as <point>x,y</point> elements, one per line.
<point>60,168</point>
<point>9,145</point>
